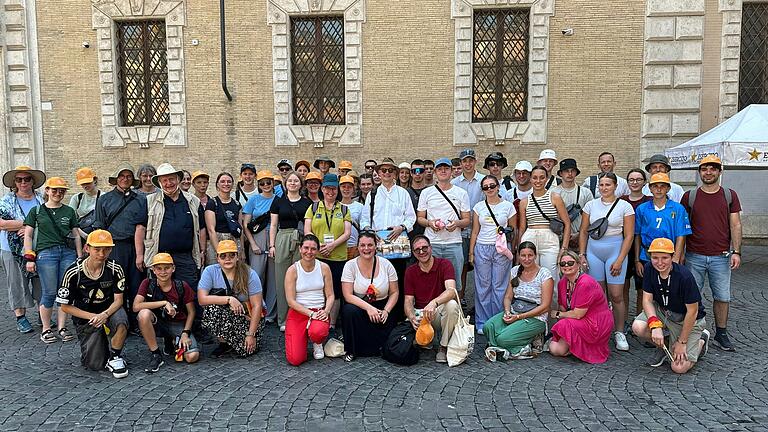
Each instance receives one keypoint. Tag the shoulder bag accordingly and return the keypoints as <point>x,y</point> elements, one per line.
<point>462,340</point>
<point>506,232</point>
<point>232,225</point>
<point>574,210</point>
<point>598,228</point>
<point>555,224</point>
<point>453,206</point>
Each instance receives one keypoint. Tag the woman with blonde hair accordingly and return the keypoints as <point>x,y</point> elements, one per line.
<point>222,215</point>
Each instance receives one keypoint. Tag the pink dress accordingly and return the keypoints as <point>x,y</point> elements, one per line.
<point>587,337</point>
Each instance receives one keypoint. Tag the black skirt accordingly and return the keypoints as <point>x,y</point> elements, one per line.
<point>362,338</point>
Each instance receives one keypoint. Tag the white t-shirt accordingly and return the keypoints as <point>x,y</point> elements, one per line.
<point>355,212</point>
<point>510,195</point>
<point>386,274</point>
<point>437,207</point>
<point>503,211</point>
<point>597,209</point>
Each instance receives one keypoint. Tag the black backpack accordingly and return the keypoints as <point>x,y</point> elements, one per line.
<point>399,347</point>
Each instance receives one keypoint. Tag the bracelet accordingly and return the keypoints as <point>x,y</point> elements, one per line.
<point>736,253</point>
<point>681,342</point>
<point>654,322</point>
<point>271,247</point>
<point>557,315</point>
<point>251,334</point>
<point>31,257</point>
<point>188,332</point>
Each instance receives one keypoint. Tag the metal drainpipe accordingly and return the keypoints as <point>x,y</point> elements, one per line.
<point>223,51</point>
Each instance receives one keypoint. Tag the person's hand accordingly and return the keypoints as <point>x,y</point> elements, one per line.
<point>383,316</point>
<point>272,252</point>
<point>735,261</point>
<point>657,337</point>
<point>21,232</point>
<point>434,225</point>
<point>250,344</point>
<point>639,268</point>
<point>31,267</point>
<point>451,226</point>
<point>616,268</point>
<point>255,249</point>
<point>98,319</point>
<point>553,314</point>
<point>471,258</point>
<point>321,315</point>
<point>508,318</point>
<point>429,310</point>
<point>325,250</point>
<point>169,309</point>
<point>140,262</point>
<point>584,262</point>
<point>415,322</point>
<point>396,231</point>
<point>185,341</point>
<point>235,306</point>
<point>680,352</point>
<point>373,314</point>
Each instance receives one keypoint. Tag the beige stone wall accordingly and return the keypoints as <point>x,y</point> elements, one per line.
<point>595,85</point>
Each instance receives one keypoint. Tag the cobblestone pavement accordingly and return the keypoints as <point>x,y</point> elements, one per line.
<point>44,387</point>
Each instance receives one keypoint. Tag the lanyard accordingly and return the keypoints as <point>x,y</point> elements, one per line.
<point>568,294</point>
<point>664,290</point>
<point>328,220</point>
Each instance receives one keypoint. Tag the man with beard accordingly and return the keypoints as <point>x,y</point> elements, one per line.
<point>714,247</point>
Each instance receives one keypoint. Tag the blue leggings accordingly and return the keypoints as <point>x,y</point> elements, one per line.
<point>601,254</point>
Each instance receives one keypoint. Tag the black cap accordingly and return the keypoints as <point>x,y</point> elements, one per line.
<point>497,157</point>
<point>567,164</point>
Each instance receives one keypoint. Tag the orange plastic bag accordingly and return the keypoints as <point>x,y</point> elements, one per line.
<point>425,333</point>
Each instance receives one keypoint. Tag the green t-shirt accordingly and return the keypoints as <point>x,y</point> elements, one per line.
<point>323,222</point>
<point>48,235</point>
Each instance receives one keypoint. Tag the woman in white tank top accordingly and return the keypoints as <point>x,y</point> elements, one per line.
<point>309,293</point>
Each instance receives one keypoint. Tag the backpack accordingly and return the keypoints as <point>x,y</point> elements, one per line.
<point>154,293</point>
<point>507,182</point>
<point>692,198</point>
<point>399,347</point>
<point>344,209</point>
<point>593,185</point>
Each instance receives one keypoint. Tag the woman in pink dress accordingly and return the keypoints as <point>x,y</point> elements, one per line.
<point>585,322</point>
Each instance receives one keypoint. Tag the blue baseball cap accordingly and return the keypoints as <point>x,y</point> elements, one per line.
<point>331,180</point>
<point>443,161</point>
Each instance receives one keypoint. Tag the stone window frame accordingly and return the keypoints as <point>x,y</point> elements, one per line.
<point>104,15</point>
<point>534,129</point>
<point>287,134</point>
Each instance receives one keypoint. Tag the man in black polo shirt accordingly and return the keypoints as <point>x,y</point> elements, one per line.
<point>672,302</point>
<point>171,224</point>
<point>118,211</point>
<point>92,292</point>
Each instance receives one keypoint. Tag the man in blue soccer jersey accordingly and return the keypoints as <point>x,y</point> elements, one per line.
<point>661,217</point>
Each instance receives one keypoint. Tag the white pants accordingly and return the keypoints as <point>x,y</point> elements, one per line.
<point>547,248</point>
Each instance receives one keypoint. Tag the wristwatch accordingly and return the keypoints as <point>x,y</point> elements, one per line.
<point>251,334</point>
<point>188,332</point>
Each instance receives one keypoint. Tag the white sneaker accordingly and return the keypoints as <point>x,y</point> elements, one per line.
<point>621,341</point>
<point>282,328</point>
<point>117,366</point>
<point>317,351</point>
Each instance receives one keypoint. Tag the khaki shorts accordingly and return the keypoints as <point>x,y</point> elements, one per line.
<point>676,328</point>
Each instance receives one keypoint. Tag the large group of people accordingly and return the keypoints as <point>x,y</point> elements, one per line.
<point>337,259</point>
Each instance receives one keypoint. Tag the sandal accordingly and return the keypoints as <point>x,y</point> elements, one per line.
<point>349,357</point>
<point>48,337</point>
<point>65,334</point>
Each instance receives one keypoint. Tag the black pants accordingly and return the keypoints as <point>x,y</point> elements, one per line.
<point>400,264</point>
<point>124,253</point>
<point>362,338</point>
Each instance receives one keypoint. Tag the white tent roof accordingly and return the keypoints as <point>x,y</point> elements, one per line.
<point>741,141</point>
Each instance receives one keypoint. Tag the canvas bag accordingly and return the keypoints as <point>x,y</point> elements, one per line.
<point>462,340</point>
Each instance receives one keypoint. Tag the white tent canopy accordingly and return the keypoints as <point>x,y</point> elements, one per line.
<point>740,142</point>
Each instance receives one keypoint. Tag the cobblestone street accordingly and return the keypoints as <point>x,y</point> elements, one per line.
<point>44,387</point>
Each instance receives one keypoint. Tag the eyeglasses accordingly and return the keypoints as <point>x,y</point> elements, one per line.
<point>58,191</point>
<point>284,169</point>
<point>23,179</point>
<point>490,187</point>
<point>265,183</point>
<point>228,255</point>
<point>422,249</point>
<point>417,170</point>
<point>387,170</point>
<point>567,263</point>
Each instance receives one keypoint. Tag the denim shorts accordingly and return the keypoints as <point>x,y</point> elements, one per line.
<point>716,268</point>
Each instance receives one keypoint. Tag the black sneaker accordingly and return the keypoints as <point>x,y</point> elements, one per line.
<point>168,347</point>
<point>705,337</point>
<point>154,363</point>
<point>117,366</point>
<point>657,358</point>
<point>723,342</point>
<point>221,350</point>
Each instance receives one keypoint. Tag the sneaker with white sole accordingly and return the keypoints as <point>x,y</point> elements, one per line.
<point>117,366</point>
<point>156,360</point>
<point>621,341</point>
<point>317,351</point>
<point>658,358</point>
<point>705,348</point>
<point>724,342</point>
<point>282,328</point>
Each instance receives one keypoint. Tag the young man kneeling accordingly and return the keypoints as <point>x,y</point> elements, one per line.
<point>671,301</point>
<point>166,308</point>
<point>92,292</point>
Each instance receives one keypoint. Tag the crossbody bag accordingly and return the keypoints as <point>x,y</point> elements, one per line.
<point>555,224</point>
<point>598,228</point>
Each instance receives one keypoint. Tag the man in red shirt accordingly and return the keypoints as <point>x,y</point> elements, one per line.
<point>430,293</point>
<point>714,247</point>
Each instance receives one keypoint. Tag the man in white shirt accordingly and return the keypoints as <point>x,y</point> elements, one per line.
<point>574,196</point>
<point>444,211</point>
<point>469,180</point>
<point>389,207</point>
<point>524,187</point>
<point>606,163</point>
<point>659,163</point>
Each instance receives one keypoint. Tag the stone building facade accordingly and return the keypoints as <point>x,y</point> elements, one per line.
<point>630,77</point>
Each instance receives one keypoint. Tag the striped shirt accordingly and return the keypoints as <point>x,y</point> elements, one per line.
<point>532,214</point>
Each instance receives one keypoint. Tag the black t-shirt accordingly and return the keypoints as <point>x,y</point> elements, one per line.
<point>223,211</point>
<point>415,194</point>
<point>87,294</point>
<point>289,213</point>
<point>681,285</point>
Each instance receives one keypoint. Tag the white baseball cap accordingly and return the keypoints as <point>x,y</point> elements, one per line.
<point>547,154</point>
<point>523,165</point>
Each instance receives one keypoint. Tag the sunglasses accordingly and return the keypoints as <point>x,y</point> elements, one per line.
<point>228,255</point>
<point>493,164</point>
<point>23,179</point>
<point>421,249</point>
<point>490,187</point>
<point>567,263</point>
<point>284,169</point>
<point>388,170</point>
<point>265,183</point>
<point>417,170</point>
<point>370,167</point>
